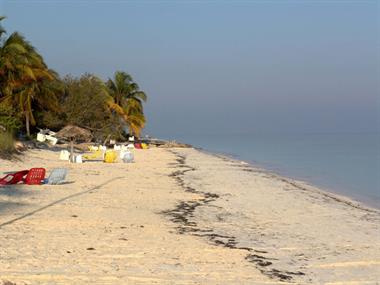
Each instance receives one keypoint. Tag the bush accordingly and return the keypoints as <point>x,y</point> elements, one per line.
<point>9,119</point>
<point>7,148</point>
<point>85,105</point>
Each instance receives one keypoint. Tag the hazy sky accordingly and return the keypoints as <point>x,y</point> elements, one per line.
<point>222,66</point>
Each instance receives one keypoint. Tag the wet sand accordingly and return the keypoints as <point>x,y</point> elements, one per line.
<point>180,216</point>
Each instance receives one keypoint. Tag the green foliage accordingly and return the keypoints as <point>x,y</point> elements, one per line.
<point>127,94</point>
<point>7,148</point>
<point>32,94</point>
<point>85,102</point>
<point>9,119</point>
<point>24,77</point>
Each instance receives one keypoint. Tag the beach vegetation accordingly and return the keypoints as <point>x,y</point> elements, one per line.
<point>23,77</point>
<point>7,146</point>
<point>126,93</point>
<point>33,95</point>
<point>10,120</point>
<point>86,103</point>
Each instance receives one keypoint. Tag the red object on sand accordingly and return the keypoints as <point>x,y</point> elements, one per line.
<point>138,145</point>
<point>35,176</point>
<point>13,178</point>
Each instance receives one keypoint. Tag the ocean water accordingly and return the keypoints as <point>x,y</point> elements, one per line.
<point>347,164</point>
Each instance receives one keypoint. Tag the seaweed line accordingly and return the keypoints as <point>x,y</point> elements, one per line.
<point>182,215</point>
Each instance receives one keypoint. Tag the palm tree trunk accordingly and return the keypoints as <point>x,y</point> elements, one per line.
<point>27,124</point>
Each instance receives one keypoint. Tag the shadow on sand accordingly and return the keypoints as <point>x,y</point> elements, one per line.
<point>10,198</point>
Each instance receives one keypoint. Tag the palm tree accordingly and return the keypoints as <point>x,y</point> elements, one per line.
<point>2,31</point>
<point>127,94</point>
<point>24,77</point>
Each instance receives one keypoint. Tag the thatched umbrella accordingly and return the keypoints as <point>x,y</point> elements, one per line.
<point>74,133</point>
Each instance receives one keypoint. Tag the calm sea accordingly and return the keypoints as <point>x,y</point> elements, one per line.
<point>347,164</point>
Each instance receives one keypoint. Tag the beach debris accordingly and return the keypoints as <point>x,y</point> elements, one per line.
<point>77,159</point>
<point>35,176</point>
<point>126,156</point>
<point>110,156</point>
<point>183,215</point>
<point>41,137</point>
<point>64,155</point>
<point>57,176</point>
<point>93,148</point>
<point>172,144</point>
<point>6,282</point>
<point>47,135</point>
<point>13,178</point>
<point>20,146</point>
<point>95,155</point>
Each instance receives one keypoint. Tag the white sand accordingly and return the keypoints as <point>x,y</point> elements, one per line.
<point>107,227</point>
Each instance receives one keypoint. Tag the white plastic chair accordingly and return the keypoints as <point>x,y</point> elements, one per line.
<point>41,137</point>
<point>78,159</point>
<point>51,139</point>
<point>130,146</point>
<point>128,157</point>
<point>93,148</point>
<point>57,176</point>
<point>64,155</point>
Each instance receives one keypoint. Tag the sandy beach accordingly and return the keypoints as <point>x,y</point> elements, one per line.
<point>181,216</point>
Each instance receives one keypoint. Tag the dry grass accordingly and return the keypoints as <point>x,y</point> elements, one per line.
<point>7,148</point>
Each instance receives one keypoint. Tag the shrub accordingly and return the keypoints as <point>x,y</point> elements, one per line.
<point>9,119</point>
<point>7,148</point>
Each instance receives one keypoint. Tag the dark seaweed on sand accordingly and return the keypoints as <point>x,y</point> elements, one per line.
<point>183,215</point>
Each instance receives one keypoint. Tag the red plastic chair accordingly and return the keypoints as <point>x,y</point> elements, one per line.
<point>13,178</point>
<point>35,176</point>
<point>138,146</point>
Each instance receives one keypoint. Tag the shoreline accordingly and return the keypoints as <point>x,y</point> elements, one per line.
<point>185,211</point>
<point>180,216</point>
<point>302,183</point>
<point>265,260</point>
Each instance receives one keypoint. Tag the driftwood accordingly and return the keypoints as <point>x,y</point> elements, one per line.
<point>170,144</point>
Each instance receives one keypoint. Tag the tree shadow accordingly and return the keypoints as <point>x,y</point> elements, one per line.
<point>10,206</point>
<point>16,190</point>
<point>9,197</point>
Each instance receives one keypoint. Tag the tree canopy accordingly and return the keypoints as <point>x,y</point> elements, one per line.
<point>32,94</point>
